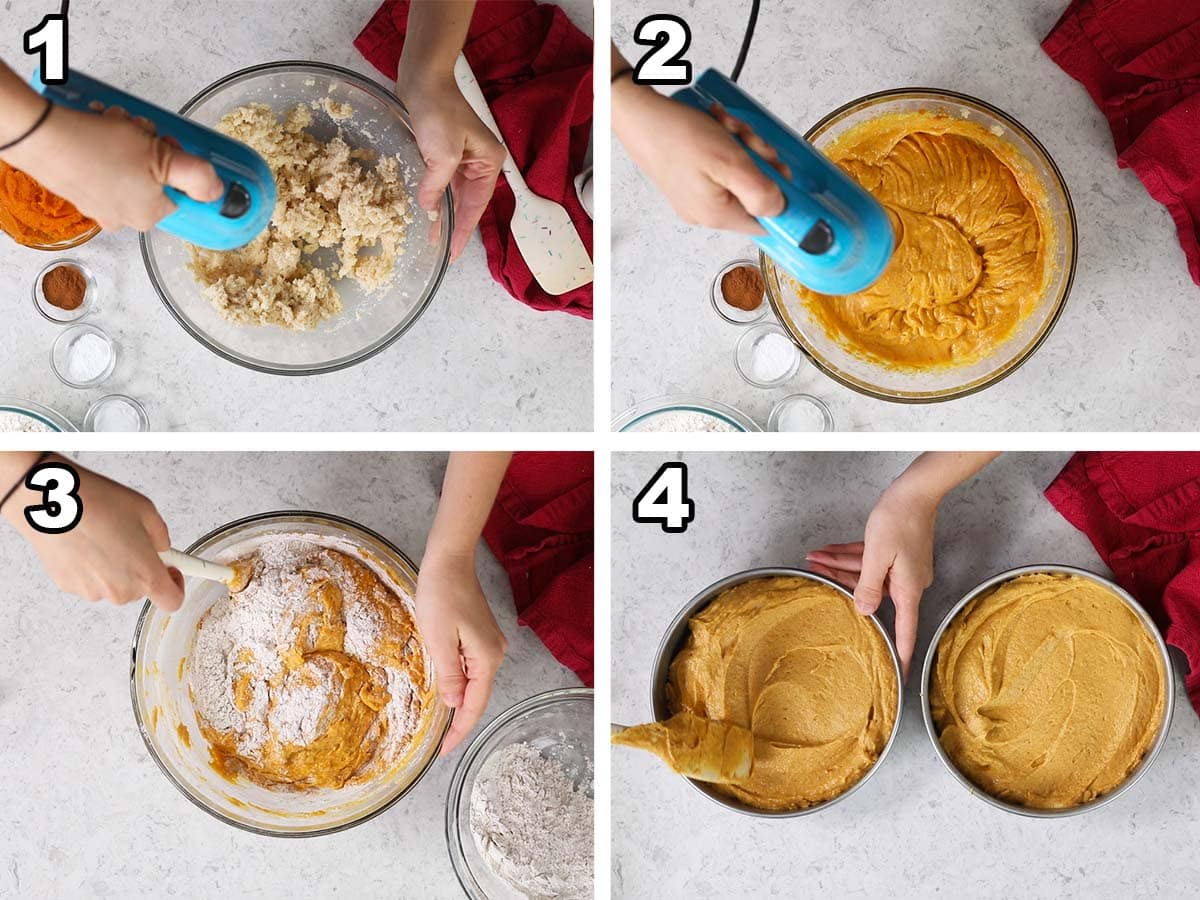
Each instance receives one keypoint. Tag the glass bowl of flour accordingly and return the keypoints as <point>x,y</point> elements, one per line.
<point>169,675</point>
<point>520,813</point>
<point>683,413</point>
<point>25,416</point>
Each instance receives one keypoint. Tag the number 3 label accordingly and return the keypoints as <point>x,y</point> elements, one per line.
<point>61,507</point>
<point>670,38</point>
<point>664,500</point>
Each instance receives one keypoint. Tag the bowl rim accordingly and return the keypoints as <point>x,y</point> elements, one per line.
<point>677,632</point>
<point>143,617</point>
<point>748,337</point>
<point>89,418</point>
<point>40,412</point>
<point>86,307</point>
<point>812,400</point>
<point>447,218</point>
<point>1150,755</point>
<point>827,369</point>
<point>716,296</point>
<point>454,843</point>
<point>652,406</point>
<point>64,337</point>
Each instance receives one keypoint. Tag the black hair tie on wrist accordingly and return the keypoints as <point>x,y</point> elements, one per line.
<point>627,70</point>
<point>21,481</point>
<point>34,127</point>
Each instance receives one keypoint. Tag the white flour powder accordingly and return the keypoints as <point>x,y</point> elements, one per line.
<point>12,422</point>
<point>533,826</point>
<point>244,636</point>
<point>682,420</point>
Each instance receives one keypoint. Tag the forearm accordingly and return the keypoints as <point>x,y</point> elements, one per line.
<point>468,492</point>
<point>20,107</point>
<point>437,30</point>
<point>13,466</point>
<point>625,95</point>
<point>933,475</point>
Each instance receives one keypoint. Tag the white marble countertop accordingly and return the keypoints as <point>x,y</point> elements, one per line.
<point>86,812</point>
<point>477,360</point>
<point>912,831</point>
<point>1125,354</point>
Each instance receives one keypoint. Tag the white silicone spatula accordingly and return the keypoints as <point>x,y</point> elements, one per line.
<point>703,749</point>
<point>544,232</point>
<point>236,577</point>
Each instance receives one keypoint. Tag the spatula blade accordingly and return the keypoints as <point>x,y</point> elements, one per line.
<point>550,245</point>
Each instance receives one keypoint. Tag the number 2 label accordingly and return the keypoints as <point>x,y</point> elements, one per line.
<point>61,507</point>
<point>670,37</point>
<point>48,39</point>
<point>664,500</point>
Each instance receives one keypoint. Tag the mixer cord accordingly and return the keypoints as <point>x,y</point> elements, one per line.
<point>749,36</point>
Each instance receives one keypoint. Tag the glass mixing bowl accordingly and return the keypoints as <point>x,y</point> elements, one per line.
<point>36,413</point>
<point>946,383</point>
<point>161,701</point>
<point>641,417</point>
<point>369,322</point>
<point>560,725</point>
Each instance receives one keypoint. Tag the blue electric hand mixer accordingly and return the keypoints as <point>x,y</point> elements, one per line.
<point>833,237</point>
<point>244,209</point>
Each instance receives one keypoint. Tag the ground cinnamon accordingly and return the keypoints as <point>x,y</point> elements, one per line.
<point>64,287</point>
<point>743,288</point>
<point>32,215</point>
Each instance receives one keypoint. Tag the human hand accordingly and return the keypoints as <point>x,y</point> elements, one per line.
<point>895,557</point>
<point>463,638</point>
<point>112,554</point>
<point>113,168</point>
<point>459,151</point>
<point>693,159</point>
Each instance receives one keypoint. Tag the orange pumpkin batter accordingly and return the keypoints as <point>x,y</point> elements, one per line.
<point>972,239</point>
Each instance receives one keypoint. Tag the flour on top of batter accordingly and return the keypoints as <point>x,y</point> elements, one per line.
<point>972,242</point>
<point>313,676</point>
<point>328,199</point>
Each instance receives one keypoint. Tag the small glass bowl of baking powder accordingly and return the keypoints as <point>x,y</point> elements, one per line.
<point>726,310</point>
<point>83,356</point>
<point>766,357</point>
<point>57,314</point>
<point>800,412</point>
<point>116,412</point>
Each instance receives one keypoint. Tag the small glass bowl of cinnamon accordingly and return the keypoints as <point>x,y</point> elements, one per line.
<point>64,291</point>
<point>739,292</point>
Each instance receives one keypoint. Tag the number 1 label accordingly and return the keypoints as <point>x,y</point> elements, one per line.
<point>49,40</point>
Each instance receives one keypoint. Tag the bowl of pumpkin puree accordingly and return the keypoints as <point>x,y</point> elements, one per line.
<point>782,652</point>
<point>984,249</point>
<point>1047,691</point>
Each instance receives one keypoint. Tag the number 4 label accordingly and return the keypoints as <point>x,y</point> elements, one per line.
<point>48,39</point>
<point>664,500</point>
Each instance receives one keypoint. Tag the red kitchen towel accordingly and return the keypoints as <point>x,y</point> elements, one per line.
<point>541,530</point>
<point>1142,513</point>
<point>535,69</point>
<point>1140,61</point>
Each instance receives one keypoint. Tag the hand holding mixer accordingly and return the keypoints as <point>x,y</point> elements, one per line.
<point>248,201</point>
<point>832,236</point>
